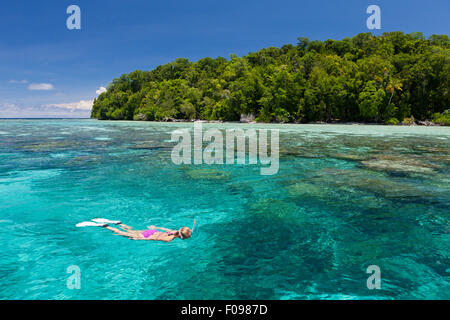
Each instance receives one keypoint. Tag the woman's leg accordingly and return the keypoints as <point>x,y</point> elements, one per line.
<point>131,234</point>
<point>120,232</point>
<point>125,227</point>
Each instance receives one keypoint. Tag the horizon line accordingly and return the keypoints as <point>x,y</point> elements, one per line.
<point>42,118</point>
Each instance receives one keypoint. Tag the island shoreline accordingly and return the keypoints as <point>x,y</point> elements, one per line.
<point>426,123</point>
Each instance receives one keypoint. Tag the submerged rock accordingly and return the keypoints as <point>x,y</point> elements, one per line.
<point>266,210</point>
<point>350,157</point>
<point>152,146</point>
<point>366,181</point>
<point>82,160</point>
<point>399,165</point>
<point>303,151</point>
<point>240,188</point>
<point>306,189</point>
<point>47,146</point>
<point>207,174</point>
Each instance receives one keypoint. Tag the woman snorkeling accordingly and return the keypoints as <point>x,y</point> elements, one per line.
<point>152,233</point>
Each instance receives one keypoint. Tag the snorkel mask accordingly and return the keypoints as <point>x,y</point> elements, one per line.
<point>192,231</point>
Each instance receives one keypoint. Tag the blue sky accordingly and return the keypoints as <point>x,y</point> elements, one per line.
<point>47,70</point>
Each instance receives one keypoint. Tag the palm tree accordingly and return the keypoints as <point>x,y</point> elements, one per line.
<point>394,84</point>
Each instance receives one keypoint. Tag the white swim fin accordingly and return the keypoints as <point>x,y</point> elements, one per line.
<point>90,224</point>
<point>101,220</point>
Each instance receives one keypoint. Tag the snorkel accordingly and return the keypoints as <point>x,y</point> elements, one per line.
<point>193,227</point>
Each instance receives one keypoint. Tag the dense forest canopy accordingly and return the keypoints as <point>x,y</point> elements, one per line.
<point>383,78</point>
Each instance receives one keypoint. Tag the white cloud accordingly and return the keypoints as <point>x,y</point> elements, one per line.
<point>40,86</point>
<point>8,106</point>
<point>63,110</point>
<point>100,90</point>
<point>18,81</point>
<point>80,105</point>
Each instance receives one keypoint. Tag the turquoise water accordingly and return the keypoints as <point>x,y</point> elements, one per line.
<point>345,197</point>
